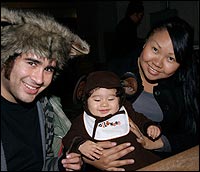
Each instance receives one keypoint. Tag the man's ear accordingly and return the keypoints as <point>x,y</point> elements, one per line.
<point>79,89</point>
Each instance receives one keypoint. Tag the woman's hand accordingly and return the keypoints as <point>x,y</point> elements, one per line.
<point>72,162</point>
<point>146,142</point>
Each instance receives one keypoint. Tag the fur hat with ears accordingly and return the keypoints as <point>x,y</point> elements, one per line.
<point>101,79</point>
<point>97,79</point>
<point>24,32</point>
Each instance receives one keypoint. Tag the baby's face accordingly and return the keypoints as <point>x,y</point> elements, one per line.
<point>103,102</point>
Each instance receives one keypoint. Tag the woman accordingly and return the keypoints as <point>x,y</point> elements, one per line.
<point>167,84</point>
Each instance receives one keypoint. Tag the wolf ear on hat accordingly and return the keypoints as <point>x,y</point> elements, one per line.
<point>14,17</point>
<point>129,83</point>
<point>79,89</point>
<point>22,29</point>
<point>77,49</point>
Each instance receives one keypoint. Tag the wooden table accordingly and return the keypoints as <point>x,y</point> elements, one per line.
<point>185,161</point>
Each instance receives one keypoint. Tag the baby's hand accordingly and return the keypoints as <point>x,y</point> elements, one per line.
<point>90,150</point>
<point>153,131</point>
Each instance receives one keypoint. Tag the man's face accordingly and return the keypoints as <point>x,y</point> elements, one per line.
<point>139,17</point>
<point>29,76</point>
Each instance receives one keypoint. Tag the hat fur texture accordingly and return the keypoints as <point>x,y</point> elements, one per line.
<point>29,32</point>
<point>101,79</point>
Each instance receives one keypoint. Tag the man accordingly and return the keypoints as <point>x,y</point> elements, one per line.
<point>34,47</point>
<point>127,44</point>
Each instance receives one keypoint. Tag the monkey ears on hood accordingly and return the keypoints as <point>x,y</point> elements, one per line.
<point>104,79</point>
<point>23,32</point>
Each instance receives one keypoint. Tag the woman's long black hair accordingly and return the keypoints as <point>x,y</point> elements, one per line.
<point>182,36</point>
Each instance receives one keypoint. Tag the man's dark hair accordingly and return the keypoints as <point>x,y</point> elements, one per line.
<point>134,7</point>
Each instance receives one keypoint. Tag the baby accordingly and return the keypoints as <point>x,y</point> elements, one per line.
<point>106,117</point>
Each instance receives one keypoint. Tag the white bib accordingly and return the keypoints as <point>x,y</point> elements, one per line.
<point>116,126</point>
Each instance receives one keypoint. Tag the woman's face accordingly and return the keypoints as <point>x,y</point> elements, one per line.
<point>157,59</point>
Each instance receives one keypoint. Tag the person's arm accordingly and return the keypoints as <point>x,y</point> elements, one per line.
<point>91,150</point>
<point>70,158</point>
<point>72,162</point>
<point>67,161</point>
<point>109,160</point>
<point>61,124</point>
<point>75,136</point>
<point>153,131</point>
<point>146,142</point>
<point>52,159</point>
<point>141,122</point>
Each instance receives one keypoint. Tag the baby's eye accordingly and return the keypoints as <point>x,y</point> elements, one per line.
<point>111,98</point>
<point>97,100</point>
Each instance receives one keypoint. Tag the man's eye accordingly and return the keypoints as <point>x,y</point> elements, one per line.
<point>32,63</point>
<point>50,69</point>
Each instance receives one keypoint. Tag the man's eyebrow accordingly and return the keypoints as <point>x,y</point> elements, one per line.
<point>33,60</point>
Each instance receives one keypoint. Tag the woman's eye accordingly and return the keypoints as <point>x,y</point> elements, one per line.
<point>171,59</point>
<point>155,50</point>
